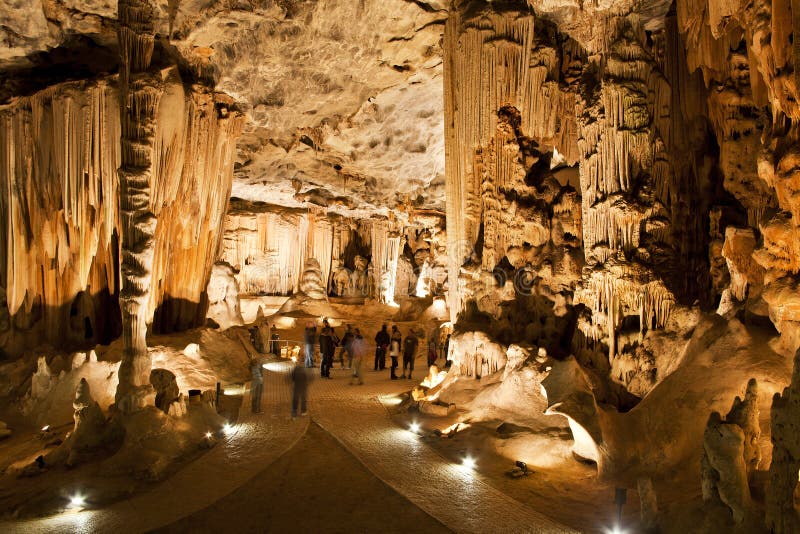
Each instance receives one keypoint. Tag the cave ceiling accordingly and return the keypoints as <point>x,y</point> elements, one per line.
<point>343,98</point>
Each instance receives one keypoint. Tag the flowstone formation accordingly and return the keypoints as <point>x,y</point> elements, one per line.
<point>513,229</point>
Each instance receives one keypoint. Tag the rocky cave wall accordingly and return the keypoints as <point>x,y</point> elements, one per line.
<point>61,245</point>
<point>606,164</point>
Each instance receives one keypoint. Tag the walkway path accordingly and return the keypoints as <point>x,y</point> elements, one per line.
<point>451,493</point>
<point>352,414</point>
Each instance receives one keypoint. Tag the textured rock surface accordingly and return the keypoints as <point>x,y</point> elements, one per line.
<point>782,516</point>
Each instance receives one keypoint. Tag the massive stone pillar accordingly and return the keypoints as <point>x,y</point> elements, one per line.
<point>140,92</point>
<point>504,114</point>
<point>626,227</point>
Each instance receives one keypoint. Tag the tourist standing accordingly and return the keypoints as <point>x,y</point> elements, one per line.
<point>394,353</point>
<point>326,349</point>
<point>274,346</point>
<point>300,379</point>
<point>358,350</point>
<point>382,341</point>
<point>409,352</point>
<point>309,338</point>
<point>448,361</point>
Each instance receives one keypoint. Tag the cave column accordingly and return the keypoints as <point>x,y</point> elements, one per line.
<point>625,226</point>
<point>140,93</point>
<point>487,58</point>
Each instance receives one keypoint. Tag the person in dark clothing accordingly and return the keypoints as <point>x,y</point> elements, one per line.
<point>256,385</point>
<point>274,346</point>
<point>326,349</point>
<point>382,341</point>
<point>432,356</point>
<point>300,379</point>
<point>347,346</point>
<point>409,352</point>
<point>309,338</point>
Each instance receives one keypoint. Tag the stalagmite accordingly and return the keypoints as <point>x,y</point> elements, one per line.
<point>731,453</point>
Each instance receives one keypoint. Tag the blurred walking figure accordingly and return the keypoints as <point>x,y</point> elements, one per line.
<point>432,356</point>
<point>309,338</point>
<point>382,340</point>
<point>358,350</point>
<point>409,352</point>
<point>326,349</point>
<point>256,385</point>
<point>347,342</point>
<point>448,361</point>
<point>300,378</point>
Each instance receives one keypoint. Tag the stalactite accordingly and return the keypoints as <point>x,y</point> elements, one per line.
<point>622,138</point>
<point>386,249</point>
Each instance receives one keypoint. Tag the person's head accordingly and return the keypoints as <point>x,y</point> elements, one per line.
<point>394,328</point>
<point>358,333</point>
<point>349,326</point>
<point>325,322</point>
<point>383,328</point>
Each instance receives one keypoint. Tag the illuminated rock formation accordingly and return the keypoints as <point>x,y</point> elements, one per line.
<point>731,454</point>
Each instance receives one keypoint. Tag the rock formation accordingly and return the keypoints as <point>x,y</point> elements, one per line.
<point>166,388</point>
<point>731,453</point>
<point>312,283</point>
<point>782,516</point>
<point>223,296</point>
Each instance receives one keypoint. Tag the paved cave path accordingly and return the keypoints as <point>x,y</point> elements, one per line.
<point>222,490</point>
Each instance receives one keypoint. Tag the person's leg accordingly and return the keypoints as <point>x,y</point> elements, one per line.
<point>377,358</point>
<point>410,366</point>
<point>309,355</point>
<point>295,399</point>
<point>303,409</point>
<point>392,374</point>
<point>349,359</point>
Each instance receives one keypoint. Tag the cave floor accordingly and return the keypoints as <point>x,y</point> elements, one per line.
<point>291,472</point>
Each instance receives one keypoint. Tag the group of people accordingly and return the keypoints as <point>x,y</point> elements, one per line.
<point>354,348</point>
<point>394,344</point>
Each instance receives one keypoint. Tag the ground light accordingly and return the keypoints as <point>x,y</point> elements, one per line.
<point>77,501</point>
<point>227,429</point>
<point>45,428</point>
<point>414,427</point>
<point>208,435</point>
<point>468,462</point>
